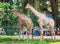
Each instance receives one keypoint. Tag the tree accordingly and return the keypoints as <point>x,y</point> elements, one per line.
<point>54,6</point>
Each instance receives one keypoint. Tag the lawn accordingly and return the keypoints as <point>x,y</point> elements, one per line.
<point>13,40</point>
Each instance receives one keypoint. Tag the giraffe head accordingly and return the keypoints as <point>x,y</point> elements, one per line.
<point>27,6</point>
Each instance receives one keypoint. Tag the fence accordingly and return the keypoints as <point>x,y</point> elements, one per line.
<point>14,30</point>
<point>9,30</point>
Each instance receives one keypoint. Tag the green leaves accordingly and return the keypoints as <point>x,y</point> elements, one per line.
<point>34,19</point>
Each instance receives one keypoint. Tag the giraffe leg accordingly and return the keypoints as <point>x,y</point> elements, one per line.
<point>21,32</point>
<point>28,32</point>
<point>41,30</point>
<point>52,33</point>
<point>32,34</point>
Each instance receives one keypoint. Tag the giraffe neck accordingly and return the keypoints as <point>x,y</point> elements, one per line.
<point>35,12</point>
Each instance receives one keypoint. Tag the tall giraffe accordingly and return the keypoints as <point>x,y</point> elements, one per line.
<point>43,20</point>
<point>23,21</point>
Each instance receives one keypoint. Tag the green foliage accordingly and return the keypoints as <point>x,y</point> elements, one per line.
<point>7,18</point>
<point>34,19</point>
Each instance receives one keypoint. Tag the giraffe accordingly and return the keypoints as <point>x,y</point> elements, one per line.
<point>43,20</point>
<point>23,21</point>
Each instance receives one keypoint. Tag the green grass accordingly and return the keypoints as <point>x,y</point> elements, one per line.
<point>12,40</point>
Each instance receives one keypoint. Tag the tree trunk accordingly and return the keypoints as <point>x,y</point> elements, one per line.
<point>2,0</point>
<point>54,7</point>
